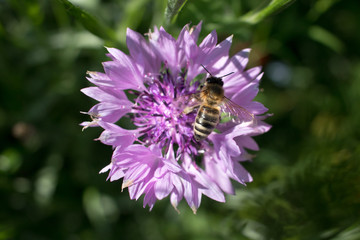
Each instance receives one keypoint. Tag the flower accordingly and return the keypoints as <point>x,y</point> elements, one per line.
<point>159,156</point>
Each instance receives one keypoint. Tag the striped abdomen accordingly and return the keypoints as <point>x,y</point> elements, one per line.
<point>206,120</point>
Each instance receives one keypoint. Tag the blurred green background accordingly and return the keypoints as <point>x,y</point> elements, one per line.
<point>306,174</point>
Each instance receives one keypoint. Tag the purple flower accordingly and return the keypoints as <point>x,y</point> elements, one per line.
<point>159,156</point>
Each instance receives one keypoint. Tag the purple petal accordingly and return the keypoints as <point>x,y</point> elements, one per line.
<point>104,94</point>
<point>242,176</point>
<point>108,112</point>
<point>150,197</point>
<point>209,42</point>
<point>136,190</point>
<point>230,147</point>
<point>218,56</point>
<point>100,79</point>
<point>115,135</point>
<point>141,51</point>
<point>166,49</point>
<point>240,59</point>
<point>237,82</point>
<point>209,188</point>
<point>246,95</point>
<point>160,171</point>
<point>190,46</point>
<point>225,143</point>
<point>196,31</point>
<point>175,198</point>
<point>116,175</point>
<point>139,173</point>
<point>163,187</point>
<point>192,195</point>
<point>219,176</point>
<point>105,169</point>
<point>123,71</point>
<point>171,164</point>
<point>178,186</point>
<point>113,103</point>
<point>247,142</point>
<point>181,34</point>
<point>256,108</point>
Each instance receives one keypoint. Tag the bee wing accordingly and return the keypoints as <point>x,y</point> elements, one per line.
<point>239,113</point>
<point>189,102</point>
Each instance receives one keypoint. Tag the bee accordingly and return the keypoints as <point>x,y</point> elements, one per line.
<point>211,102</point>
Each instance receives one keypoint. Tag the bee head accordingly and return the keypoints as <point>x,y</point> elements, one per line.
<point>215,80</point>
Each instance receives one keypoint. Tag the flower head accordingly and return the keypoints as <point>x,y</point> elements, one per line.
<point>159,156</point>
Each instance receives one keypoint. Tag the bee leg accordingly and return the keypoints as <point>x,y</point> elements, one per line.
<point>188,110</point>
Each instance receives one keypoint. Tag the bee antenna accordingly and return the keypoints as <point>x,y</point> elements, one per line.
<point>206,70</point>
<point>226,74</point>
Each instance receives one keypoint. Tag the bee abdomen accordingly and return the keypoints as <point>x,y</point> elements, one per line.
<point>206,120</point>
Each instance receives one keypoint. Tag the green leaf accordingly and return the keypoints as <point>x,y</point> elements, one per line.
<point>274,7</point>
<point>88,21</point>
<point>172,10</point>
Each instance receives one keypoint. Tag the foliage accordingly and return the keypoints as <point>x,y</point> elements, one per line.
<point>306,174</point>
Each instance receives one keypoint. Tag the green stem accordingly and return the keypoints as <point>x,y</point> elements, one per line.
<point>275,6</point>
<point>88,21</point>
<point>172,10</point>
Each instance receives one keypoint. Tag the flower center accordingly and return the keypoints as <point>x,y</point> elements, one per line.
<point>158,112</point>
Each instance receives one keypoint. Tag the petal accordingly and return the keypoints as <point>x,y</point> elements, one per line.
<point>104,94</point>
<point>123,71</point>
<point>238,81</point>
<point>175,198</point>
<point>108,112</point>
<point>160,171</point>
<point>192,195</point>
<point>140,50</point>
<point>180,39</point>
<point>247,142</point>
<point>208,186</point>
<point>242,176</point>
<point>138,173</point>
<point>166,49</point>
<point>240,59</point>
<point>150,197</point>
<point>105,169</point>
<point>195,31</point>
<point>100,79</point>
<point>256,108</point>
<point>136,190</point>
<point>178,186</point>
<point>197,55</point>
<point>115,135</point>
<point>190,46</point>
<point>209,42</point>
<point>163,187</point>
<point>217,57</point>
<point>224,143</point>
<point>116,175</point>
<point>247,94</point>
<point>218,175</point>
<point>170,163</point>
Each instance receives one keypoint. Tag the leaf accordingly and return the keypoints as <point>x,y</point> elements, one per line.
<point>172,10</point>
<point>88,21</point>
<point>274,7</point>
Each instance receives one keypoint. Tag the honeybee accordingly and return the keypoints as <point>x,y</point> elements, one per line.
<point>211,102</point>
